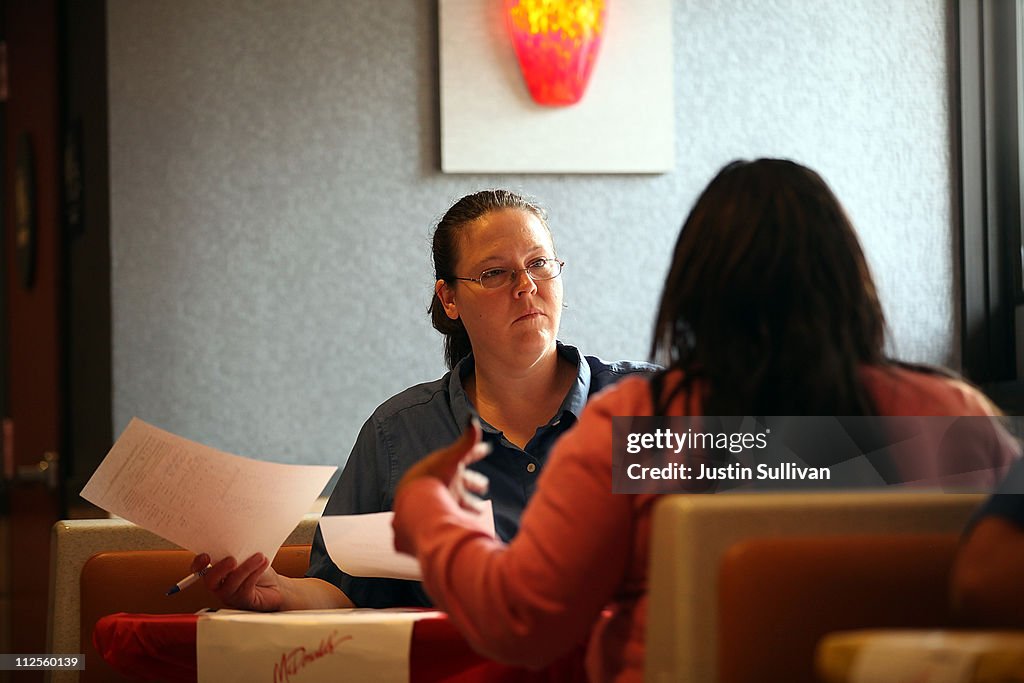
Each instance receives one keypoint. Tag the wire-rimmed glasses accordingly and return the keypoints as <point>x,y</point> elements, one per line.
<point>540,269</point>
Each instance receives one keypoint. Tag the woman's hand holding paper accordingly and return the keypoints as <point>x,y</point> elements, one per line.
<point>252,585</point>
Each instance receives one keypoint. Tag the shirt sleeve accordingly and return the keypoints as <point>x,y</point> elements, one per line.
<point>1008,500</point>
<point>536,598</point>
<point>363,487</point>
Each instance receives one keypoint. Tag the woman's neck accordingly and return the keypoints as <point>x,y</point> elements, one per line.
<point>517,399</point>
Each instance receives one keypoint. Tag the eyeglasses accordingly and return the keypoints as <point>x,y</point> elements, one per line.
<point>540,269</point>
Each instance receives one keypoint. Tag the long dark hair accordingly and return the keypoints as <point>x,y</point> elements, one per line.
<point>769,306</point>
<point>446,253</point>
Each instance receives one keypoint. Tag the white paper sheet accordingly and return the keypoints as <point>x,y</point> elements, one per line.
<point>364,545</point>
<point>200,498</point>
<point>306,646</point>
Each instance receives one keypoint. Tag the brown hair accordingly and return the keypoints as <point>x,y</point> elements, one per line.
<point>769,301</point>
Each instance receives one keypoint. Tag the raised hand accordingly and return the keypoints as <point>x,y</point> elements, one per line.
<point>449,465</point>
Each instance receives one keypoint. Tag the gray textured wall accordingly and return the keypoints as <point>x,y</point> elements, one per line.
<point>274,180</point>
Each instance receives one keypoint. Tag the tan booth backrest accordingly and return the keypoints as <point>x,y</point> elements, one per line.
<point>692,533</point>
<point>73,543</point>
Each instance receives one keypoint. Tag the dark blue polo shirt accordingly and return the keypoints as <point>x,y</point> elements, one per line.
<point>429,416</point>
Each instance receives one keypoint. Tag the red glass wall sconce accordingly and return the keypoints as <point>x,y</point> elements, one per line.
<point>556,43</point>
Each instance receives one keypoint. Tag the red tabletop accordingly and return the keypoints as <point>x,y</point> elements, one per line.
<point>163,647</point>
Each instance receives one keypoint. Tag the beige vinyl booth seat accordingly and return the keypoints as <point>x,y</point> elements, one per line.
<point>743,586</point>
<point>102,566</point>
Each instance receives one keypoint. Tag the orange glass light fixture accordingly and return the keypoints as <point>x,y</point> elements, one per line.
<point>556,42</point>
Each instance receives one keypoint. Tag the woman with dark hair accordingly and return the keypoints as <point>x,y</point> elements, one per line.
<point>769,305</point>
<point>768,309</point>
<point>498,301</point>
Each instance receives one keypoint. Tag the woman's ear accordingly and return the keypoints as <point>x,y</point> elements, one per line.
<point>446,295</point>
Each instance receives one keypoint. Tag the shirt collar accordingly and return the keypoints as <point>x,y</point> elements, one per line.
<point>462,409</point>
<point>574,401</point>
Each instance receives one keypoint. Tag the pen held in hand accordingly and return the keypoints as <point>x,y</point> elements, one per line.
<point>188,580</point>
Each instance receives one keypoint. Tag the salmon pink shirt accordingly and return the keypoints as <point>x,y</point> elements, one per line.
<point>578,567</point>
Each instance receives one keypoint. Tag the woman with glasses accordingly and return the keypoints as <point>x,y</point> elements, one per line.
<point>768,309</point>
<point>498,302</point>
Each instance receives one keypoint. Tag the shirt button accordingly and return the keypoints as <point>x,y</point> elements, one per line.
<point>531,468</point>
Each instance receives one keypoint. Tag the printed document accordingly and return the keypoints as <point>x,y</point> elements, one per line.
<point>200,498</point>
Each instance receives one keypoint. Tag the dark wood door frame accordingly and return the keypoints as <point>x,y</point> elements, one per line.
<point>34,311</point>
